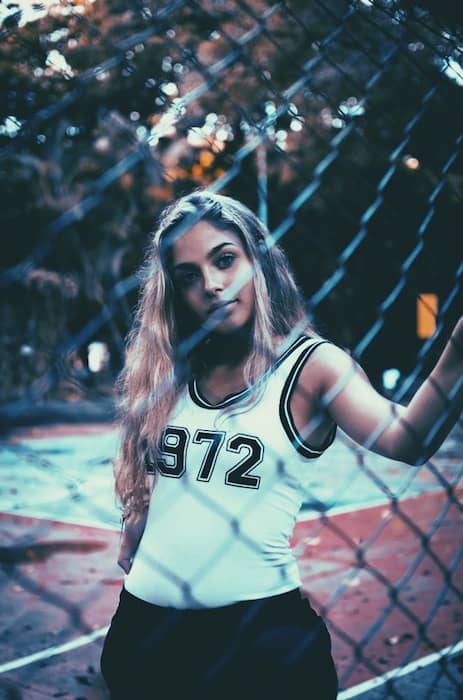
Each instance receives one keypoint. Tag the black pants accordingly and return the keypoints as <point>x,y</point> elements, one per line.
<point>275,648</point>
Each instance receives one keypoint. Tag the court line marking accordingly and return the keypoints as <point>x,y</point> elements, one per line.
<point>38,514</point>
<point>304,515</point>
<point>399,672</point>
<point>54,651</point>
<point>365,505</point>
<point>344,695</point>
<point>352,692</point>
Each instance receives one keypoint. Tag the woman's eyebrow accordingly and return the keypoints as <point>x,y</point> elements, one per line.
<point>216,248</point>
<point>213,251</point>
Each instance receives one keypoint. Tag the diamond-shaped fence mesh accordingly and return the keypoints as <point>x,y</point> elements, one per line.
<point>339,124</point>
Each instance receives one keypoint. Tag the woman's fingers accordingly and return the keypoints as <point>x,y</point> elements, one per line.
<point>130,538</point>
<point>125,563</point>
<point>126,552</point>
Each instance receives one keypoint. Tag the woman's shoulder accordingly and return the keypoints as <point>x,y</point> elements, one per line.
<point>326,364</point>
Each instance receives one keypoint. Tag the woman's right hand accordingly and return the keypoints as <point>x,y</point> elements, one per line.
<point>133,528</point>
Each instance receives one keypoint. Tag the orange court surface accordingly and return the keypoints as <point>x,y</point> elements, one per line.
<point>387,572</point>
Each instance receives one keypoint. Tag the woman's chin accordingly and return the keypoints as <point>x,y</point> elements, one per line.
<point>229,327</point>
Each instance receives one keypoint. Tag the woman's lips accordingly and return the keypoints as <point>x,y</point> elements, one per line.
<point>217,308</point>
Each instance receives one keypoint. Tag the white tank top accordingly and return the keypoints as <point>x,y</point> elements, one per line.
<point>225,503</point>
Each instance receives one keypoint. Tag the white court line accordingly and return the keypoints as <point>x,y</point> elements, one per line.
<point>304,515</point>
<point>347,508</point>
<point>399,672</point>
<point>344,695</point>
<point>38,514</point>
<point>353,507</point>
<point>53,651</point>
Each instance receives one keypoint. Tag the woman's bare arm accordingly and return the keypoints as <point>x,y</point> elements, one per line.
<point>409,433</point>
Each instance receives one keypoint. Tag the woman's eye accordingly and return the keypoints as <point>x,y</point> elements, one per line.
<point>225,261</point>
<point>187,279</point>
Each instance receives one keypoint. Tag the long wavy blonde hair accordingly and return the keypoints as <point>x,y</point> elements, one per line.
<point>164,348</point>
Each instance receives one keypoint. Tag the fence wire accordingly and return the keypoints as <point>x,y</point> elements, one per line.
<point>340,123</point>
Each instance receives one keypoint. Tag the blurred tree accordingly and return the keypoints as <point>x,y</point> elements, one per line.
<point>111,109</point>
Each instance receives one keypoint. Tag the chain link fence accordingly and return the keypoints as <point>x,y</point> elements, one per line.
<point>340,124</point>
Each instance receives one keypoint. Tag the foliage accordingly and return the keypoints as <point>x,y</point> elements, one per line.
<point>111,109</point>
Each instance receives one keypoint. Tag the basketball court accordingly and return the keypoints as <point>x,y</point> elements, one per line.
<point>378,568</point>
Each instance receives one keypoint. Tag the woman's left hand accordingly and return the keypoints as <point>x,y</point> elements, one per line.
<point>134,526</point>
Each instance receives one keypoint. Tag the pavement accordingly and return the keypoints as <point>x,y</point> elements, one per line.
<point>433,681</point>
<point>60,583</point>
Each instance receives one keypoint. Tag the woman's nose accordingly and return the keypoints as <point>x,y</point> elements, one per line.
<point>212,281</point>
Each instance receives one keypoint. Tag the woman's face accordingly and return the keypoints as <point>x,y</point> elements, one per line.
<point>214,277</point>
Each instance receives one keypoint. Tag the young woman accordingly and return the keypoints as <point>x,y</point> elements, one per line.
<point>227,395</point>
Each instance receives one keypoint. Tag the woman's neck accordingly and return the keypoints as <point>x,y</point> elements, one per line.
<point>223,361</point>
<point>227,351</point>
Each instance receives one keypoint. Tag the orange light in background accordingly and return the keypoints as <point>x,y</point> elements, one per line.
<point>126,181</point>
<point>197,171</point>
<point>206,158</point>
<point>426,313</point>
<point>411,162</point>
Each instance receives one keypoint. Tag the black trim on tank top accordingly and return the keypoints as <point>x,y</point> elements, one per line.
<point>286,418</point>
<point>231,399</point>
